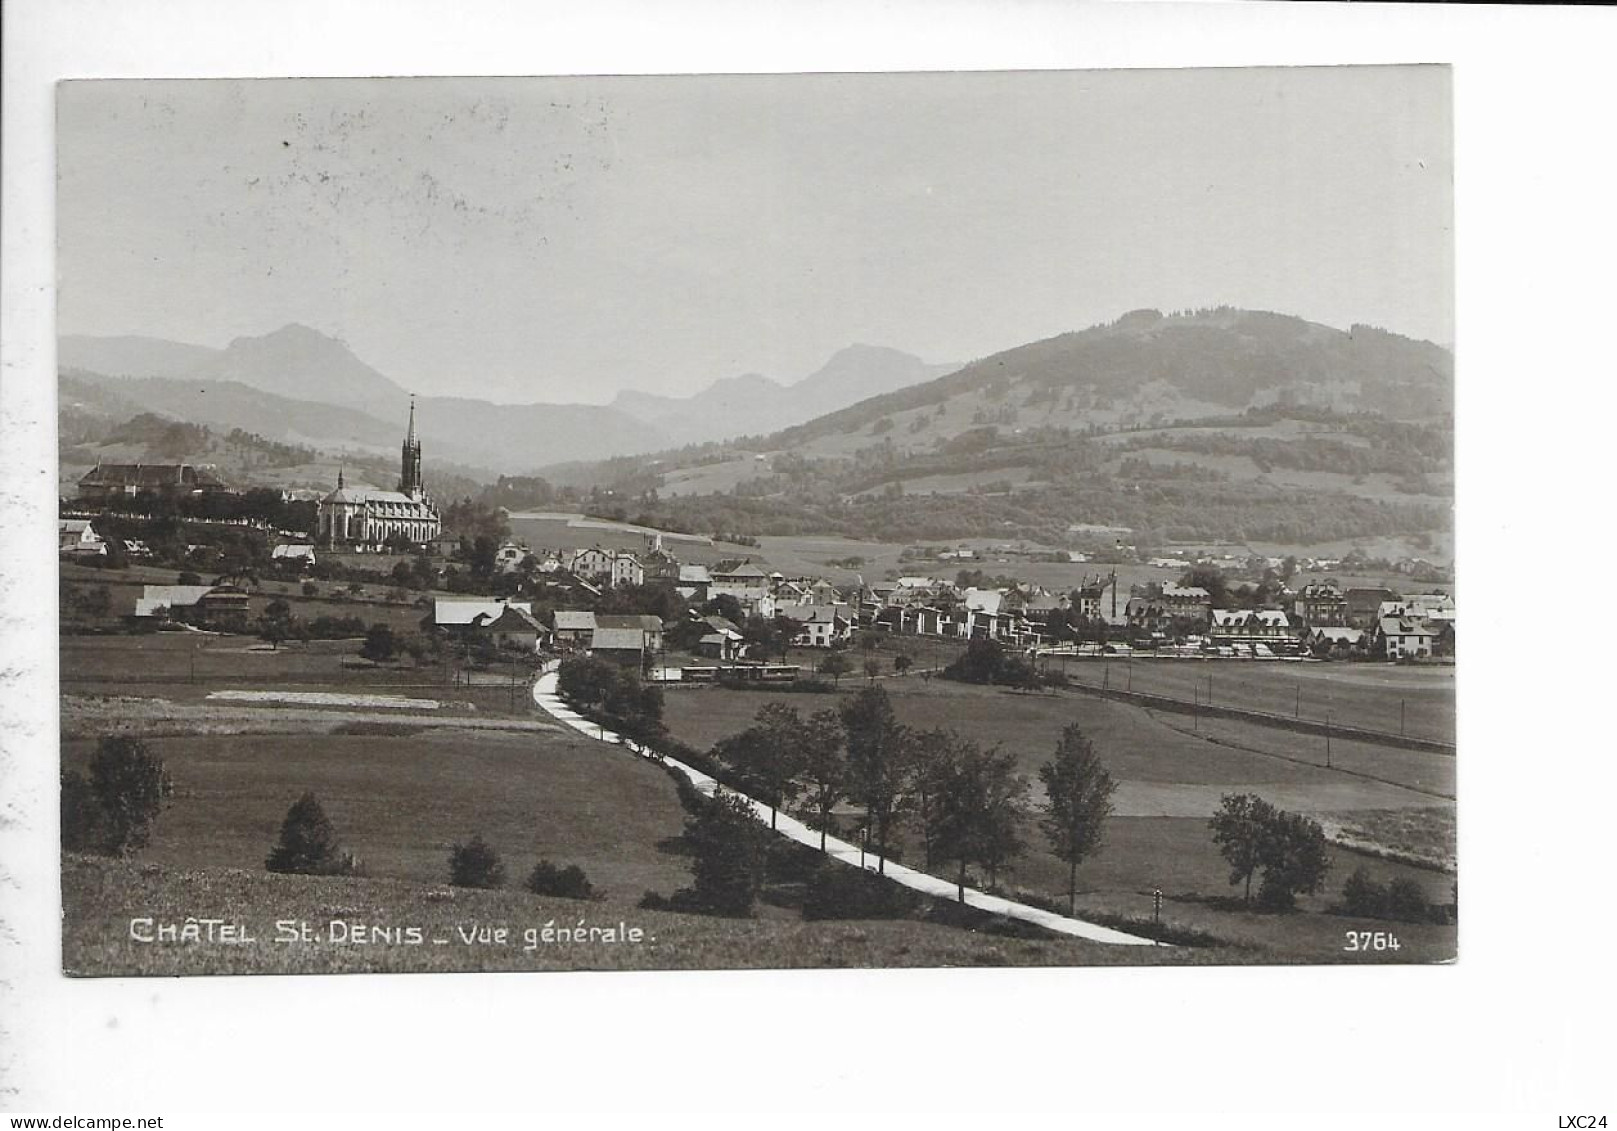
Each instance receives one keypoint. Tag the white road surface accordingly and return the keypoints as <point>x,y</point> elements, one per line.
<point>544,694</point>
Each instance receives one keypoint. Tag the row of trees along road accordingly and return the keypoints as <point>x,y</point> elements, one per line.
<point>967,802</point>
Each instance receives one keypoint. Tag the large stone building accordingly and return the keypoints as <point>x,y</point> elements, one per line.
<point>356,518</point>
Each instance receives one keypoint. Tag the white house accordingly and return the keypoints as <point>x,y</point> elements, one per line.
<point>1406,637</point>
<point>824,626</point>
<point>78,536</point>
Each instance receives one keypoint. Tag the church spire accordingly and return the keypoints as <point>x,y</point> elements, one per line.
<point>339,476</point>
<point>410,461</point>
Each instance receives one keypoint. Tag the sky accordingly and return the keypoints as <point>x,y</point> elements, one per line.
<point>560,239</point>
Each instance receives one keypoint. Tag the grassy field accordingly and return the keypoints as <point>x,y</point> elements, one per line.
<point>1378,697</point>
<point>100,897</point>
<point>1170,781</point>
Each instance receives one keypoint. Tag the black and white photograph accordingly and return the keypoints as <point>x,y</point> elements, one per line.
<point>784,560</point>
<point>764,521</point>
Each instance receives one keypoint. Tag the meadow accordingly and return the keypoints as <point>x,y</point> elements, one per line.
<point>1171,779</point>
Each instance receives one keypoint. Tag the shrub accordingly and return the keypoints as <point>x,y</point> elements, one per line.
<point>188,577</point>
<point>836,891</point>
<point>565,883</point>
<point>475,865</point>
<point>1406,901</point>
<point>1363,896</point>
<point>308,844</point>
<point>380,644</point>
<point>310,589</point>
<point>131,787</point>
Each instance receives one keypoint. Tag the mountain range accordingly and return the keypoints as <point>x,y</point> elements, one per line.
<point>298,385</point>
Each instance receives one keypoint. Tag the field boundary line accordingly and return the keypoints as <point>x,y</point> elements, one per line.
<point>544,694</point>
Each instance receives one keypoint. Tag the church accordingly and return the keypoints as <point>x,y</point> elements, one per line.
<point>357,518</point>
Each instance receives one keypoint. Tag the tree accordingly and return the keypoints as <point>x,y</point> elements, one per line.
<point>824,772</point>
<point>974,807</point>
<point>586,680</point>
<point>1239,829</point>
<point>872,669</point>
<point>767,756</point>
<point>902,663</point>
<point>276,623</point>
<point>1078,793</point>
<point>131,787</point>
<point>1210,578</point>
<point>475,865</point>
<point>728,849</point>
<point>878,761</point>
<point>308,844</point>
<point>835,665</point>
<point>1296,859</point>
<point>380,644</point>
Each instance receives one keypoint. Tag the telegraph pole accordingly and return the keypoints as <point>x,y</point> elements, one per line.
<point>1156,917</point>
<point>1401,703</point>
<point>1327,740</point>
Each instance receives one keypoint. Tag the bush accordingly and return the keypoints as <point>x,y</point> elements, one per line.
<point>836,891</point>
<point>308,844</point>
<point>475,865</point>
<point>1363,896</point>
<point>310,589</point>
<point>188,577</point>
<point>1406,901</point>
<point>130,786</point>
<point>565,883</point>
<point>380,645</point>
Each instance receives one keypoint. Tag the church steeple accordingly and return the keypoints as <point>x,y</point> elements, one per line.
<point>410,464</point>
<point>339,476</point>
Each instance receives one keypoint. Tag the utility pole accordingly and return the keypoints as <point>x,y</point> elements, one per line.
<point>1298,713</point>
<point>1401,703</point>
<point>1327,740</point>
<point>1156,917</point>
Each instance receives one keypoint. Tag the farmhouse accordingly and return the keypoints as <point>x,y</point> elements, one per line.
<point>78,536</point>
<point>107,481</point>
<point>649,627</point>
<point>574,627</point>
<point>220,607</point>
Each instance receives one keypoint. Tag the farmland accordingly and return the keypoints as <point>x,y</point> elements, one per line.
<point>1171,778</point>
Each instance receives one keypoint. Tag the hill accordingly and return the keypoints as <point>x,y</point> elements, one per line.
<point>1216,425</point>
<point>751,404</point>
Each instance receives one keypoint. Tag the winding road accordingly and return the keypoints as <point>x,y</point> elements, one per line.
<point>544,695</point>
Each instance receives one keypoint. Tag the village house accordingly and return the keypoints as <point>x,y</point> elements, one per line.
<point>748,584</point>
<point>223,608</point>
<point>574,628</point>
<point>723,640</point>
<point>693,584</point>
<point>1321,603</point>
<point>650,627</point>
<point>1363,605</point>
<point>1402,638</point>
<point>503,623</point>
<point>294,554</point>
<point>627,640</point>
<point>1250,626</point>
<point>78,536</point>
<point>824,626</point>
<point>1336,641</point>
<point>611,568</point>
